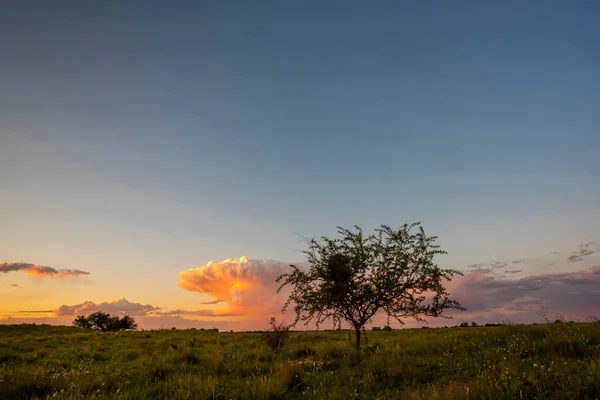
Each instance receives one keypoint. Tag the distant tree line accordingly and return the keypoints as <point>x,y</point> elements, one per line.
<point>385,328</point>
<point>105,322</point>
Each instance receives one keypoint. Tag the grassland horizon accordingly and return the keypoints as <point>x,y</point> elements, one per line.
<point>549,360</point>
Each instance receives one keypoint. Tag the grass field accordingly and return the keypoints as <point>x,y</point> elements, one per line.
<point>508,362</point>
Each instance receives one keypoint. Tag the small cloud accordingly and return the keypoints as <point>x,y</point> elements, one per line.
<point>475,266</point>
<point>14,285</point>
<point>201,313</point>
<point>517,261</point>
<point>585,249</point>
<point>514,271</point>
<point>498,264</point>
<point>575,258</point>
<point>39,270</point>
<point>217,301</point>
<point>35,312</point>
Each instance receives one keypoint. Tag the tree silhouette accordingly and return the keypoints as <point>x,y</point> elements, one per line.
<point>105,322</point>
<point>356,276</point>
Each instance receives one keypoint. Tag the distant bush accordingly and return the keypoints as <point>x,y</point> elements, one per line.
<point>474,324</point>
<point>277,335</point>
<point>376,328</point>
<point>387,328</point>
<point>464,325</point>
<point>105,322</point>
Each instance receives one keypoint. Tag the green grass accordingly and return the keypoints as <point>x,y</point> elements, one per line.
<point>560,361</point>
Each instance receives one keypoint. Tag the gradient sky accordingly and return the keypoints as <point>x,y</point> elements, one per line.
<point>140,139</point>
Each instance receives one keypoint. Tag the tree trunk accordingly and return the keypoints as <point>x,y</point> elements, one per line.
<point>357,333</point>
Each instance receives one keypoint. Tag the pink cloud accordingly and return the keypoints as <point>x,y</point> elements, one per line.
<point>117,307</point>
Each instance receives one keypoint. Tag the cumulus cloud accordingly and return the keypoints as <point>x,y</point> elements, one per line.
<point>116,307</point>
<point>245,287</point>
<point>39,270</point>
<point>584,250</point>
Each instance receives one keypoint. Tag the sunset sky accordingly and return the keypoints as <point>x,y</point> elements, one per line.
<point>165,159</point>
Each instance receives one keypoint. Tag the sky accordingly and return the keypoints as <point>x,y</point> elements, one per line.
<point>139,141</point>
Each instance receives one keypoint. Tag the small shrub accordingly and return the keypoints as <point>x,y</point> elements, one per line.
<point>277,335</point>
<point>387,328</point>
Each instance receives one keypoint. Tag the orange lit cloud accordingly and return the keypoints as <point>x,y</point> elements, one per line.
<point>246,287</point>
<point>39,271</point>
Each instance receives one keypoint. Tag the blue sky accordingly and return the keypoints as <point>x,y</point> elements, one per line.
<point>139,139</point>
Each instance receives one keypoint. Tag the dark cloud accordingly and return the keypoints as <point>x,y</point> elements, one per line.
<point>116,307</point>
<point>513,271</point>
<point>14,285</point>
<point>481,291</point>
<point>585,249</point>
<point>498,264</point>
<point>39,270</point>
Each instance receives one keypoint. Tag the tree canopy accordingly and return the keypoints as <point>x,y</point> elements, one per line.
<point>353,277</point>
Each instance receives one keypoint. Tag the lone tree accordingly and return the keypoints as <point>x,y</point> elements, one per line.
<point>354,277</point>
<point>105,322</point>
